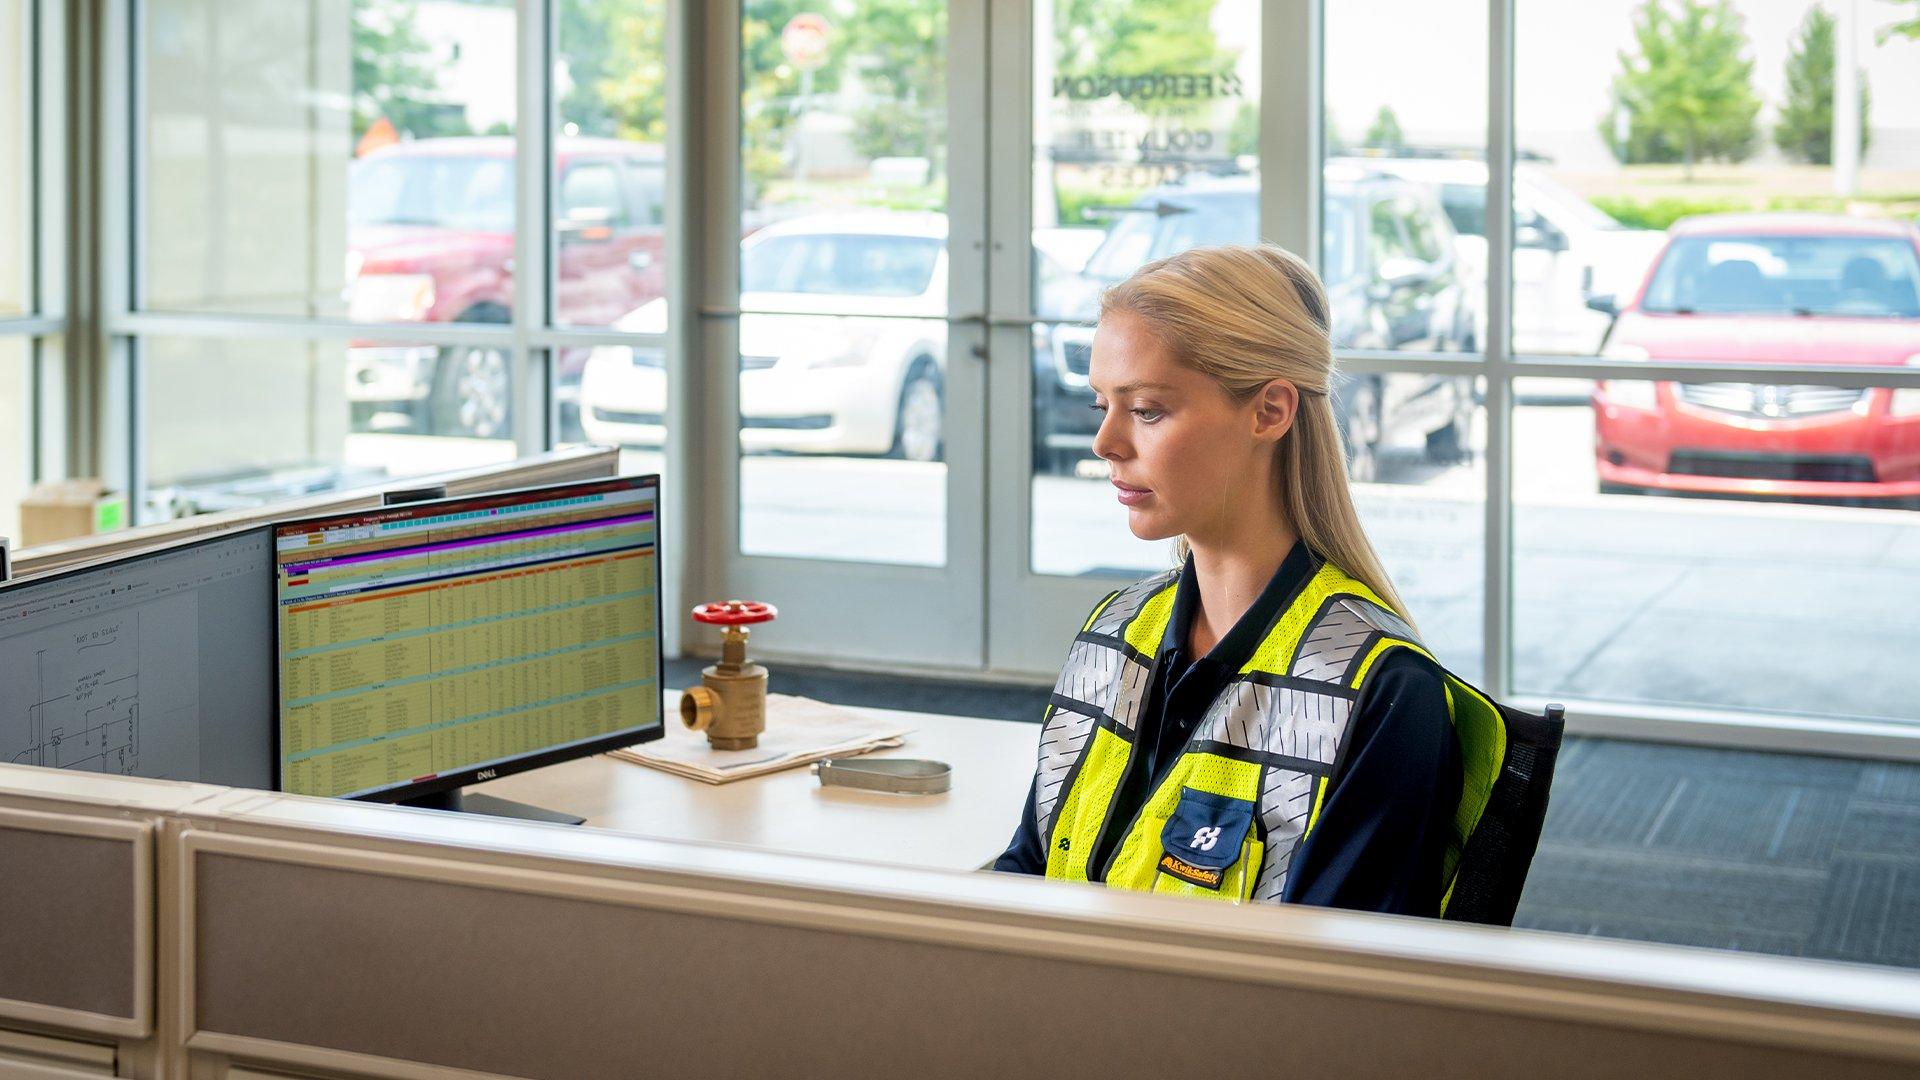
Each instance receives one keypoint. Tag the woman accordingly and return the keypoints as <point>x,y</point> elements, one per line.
<point>1260,723</point>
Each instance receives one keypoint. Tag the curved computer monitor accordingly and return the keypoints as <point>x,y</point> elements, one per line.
<point>430,645</point>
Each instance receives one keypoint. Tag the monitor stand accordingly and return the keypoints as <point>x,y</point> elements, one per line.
<point>461,801</point>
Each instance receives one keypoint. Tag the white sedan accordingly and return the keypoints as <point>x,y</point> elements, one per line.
<point>843,343</point>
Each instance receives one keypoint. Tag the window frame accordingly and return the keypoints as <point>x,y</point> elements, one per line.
<point>702,145</point>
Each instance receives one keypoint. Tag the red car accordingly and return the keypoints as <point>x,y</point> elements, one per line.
<point>431,240</point>
<point>1755,289</point>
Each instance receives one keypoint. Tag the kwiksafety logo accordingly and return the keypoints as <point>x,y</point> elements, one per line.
<point>1186,871</point>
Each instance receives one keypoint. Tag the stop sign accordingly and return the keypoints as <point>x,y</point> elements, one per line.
<point>804,41</point>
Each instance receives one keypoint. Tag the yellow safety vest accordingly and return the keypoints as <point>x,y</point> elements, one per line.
<point>1233,809</point>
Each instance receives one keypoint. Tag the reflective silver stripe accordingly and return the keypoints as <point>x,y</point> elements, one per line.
<point>1089,673</point>
<point>1286,800</point>
<point>1125,606</point>
<point>1106,681</point>
<point>1329,646</point>
<point>1132,695</point>
<point>1280,720</point>
<point>1382,619</point>
<point>1062,743</point>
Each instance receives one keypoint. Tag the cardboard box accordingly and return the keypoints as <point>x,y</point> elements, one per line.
<point>68,508</point>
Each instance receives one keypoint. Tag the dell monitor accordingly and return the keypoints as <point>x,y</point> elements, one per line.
<point>430,645</point>
<point>156,664</point>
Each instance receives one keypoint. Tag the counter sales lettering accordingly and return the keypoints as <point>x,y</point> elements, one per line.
<point>1160,140</point>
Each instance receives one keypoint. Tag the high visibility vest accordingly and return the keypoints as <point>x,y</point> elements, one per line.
<point>1231,812</point>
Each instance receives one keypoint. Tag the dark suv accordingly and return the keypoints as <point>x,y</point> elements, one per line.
<point>1392,279</point>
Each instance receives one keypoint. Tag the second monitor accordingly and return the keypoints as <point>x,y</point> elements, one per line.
<point>431,645</point>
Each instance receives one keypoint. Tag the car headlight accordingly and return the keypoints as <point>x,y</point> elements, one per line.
<point>855,348</point>
<point>1630,393</point>
<point>390,297</point>
<point>1906,399</point>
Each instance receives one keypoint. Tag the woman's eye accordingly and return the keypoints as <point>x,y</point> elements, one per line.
<point>1097,407</point>
<point>1148,416</point>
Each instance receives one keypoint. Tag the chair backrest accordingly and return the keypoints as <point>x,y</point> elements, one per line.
<point>1493,866</point>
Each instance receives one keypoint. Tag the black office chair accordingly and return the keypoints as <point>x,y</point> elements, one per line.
<point>1493,865</point>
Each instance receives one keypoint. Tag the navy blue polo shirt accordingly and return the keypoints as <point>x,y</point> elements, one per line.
<point>1382,834</point>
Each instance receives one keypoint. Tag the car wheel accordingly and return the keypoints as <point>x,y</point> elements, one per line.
<point>1450,444</point>
<point>1446,446</point>
<point>1361,431</point>
<point>473,392</point>
<point>916,427</point>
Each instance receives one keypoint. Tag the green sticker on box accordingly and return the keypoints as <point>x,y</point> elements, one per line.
<point>109,514</point>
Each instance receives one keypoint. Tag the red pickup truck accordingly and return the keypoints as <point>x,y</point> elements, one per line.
<point>431,240</point>
<point>1761,289</point>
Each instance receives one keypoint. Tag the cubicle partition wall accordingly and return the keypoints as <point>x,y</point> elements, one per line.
<point>311,938</point>
<point>557,466</point>
<point>78,892</point>
<point>75,929</point>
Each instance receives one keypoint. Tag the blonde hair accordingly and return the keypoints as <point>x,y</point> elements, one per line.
<point>1246,316</point>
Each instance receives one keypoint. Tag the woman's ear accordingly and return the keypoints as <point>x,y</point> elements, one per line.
<point>1274,408</point>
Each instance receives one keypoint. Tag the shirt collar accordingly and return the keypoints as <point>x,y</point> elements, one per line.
<point>1238,644</point>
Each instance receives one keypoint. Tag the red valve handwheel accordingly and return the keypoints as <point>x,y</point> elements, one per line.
<point>735,612</point>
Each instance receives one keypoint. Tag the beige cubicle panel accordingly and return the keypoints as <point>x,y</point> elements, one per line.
<point>553,467</point>
<point>332,941</point>
<point>76,924</point>
<point>77,920</point>
<point>318,938</point>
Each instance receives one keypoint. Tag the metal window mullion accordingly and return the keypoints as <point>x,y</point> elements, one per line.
<point>710,392</point>
<point>1016,65</point>
<point>682,559</point>
<point>969,511</point>
<point>1497,623</point>
<point>46,150</point>
<point>31,326</point>
<point>1292,95</point>
<point>120,277</point>
<point>588,337</point>
<point>1852,377</point>
<point>276,328</point>
<point>105,437</point>
<point>1418,363</point>
<point>533,429</point>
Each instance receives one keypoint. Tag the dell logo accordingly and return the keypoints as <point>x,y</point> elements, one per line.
<point>486,774</point>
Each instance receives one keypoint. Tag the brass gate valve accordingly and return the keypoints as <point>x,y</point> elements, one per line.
<point>730,705</point>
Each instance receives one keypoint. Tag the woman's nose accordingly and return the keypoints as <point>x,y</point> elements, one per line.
<point>1107,443</point>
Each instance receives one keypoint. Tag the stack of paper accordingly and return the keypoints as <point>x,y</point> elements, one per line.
<point>799,730</point>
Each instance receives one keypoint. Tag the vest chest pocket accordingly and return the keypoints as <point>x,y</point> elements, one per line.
<point>1208,847</point>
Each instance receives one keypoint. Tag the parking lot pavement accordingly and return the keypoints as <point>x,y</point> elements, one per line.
<point>1807,610</point>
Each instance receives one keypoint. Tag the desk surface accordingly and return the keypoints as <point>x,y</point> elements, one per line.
<point>962,829</point>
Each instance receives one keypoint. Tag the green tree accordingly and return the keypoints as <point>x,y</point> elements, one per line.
<point>1385,133</point>
<point>1907,28</point>
<point>901,46</point>
<point>393,75</point>
<point>620,76</point>
<point>1805,128</point>
<point>770,88</point>
<point>586,49</point>
<point>1688,91</point>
